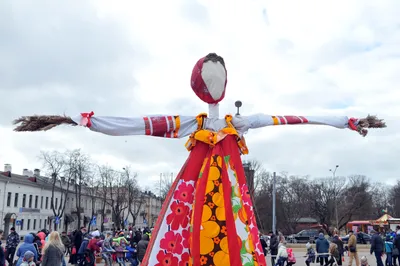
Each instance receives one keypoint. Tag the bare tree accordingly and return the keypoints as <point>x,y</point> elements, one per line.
<point>135,197</point>
<point>292,201</point>
<point>357,201</point>
<point>164,185</point>
<point>106,175</point>
<point>118,198</point>
<point>55,164</point>
<point>381,198</point>
<point>92,189</point>
<point>395,198</point>
<point>79,170</point>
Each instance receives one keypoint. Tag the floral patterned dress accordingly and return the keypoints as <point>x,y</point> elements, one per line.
<point>208,218</point>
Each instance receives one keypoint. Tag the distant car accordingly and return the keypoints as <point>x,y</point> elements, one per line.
<point>362,238</point>
<point>304,236</point>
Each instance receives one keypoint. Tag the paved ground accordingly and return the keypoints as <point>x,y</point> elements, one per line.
<point>299,253</point>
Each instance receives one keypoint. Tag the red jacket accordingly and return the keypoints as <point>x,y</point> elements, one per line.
<point>93,245</point>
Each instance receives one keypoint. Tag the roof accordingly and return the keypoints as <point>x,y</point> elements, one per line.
<point>360,222</point>
<point>307,220</point>
<point>383,219</point>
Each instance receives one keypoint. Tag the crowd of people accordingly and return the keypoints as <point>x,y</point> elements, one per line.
<point>326,253</point>
<point>77,248</point>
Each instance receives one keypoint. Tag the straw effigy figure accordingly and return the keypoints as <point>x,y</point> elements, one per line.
<point>207,217</point>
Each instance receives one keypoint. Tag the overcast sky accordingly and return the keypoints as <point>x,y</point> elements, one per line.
<point>132,58</point>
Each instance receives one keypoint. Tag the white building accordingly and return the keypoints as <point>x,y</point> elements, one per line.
<point>25,203</point>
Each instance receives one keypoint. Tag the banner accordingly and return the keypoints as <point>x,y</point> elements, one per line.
<point>94,220</point>
<point>355,228</point>
<point>370,228</point>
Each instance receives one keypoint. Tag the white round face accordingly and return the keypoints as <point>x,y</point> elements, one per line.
<point>214,77</point>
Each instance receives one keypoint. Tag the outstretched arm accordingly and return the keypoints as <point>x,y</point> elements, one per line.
<point>158,126</point>
<point>359,125</point>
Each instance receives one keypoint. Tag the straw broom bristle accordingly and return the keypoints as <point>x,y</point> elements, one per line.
<point>371,121</point>
<point>41,122</point>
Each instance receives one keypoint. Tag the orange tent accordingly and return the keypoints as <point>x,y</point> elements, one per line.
<point>383,220</point>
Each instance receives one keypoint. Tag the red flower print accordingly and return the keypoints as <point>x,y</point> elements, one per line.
<point>172,243</point>
<point>184,259</point>
<point>179,216</point>
<point>186,238</point>
<point>184,193</point>
<point>166,259</point>
<point>245,194</point>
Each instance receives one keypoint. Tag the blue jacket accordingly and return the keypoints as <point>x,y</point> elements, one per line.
<point>389,247</point>
<point>322,246</point>
<point>132,252</point>
<point>27,245</point>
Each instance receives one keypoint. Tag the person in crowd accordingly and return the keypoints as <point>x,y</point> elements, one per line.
<point>120,244</point>
<point>66,242</point>
<point>310,256</point>
<point>142,247</point>
<point>107,250</point>
<point>396,247</point>
<point>78,238</point>
<point>93,248</point>
<point>282,255</point>
<point>131,255</point>
<point>11,245</point>
<point>352,246</point>
<point>53,251</point>
<point>291,259</point>
<point>273,246</point>
<point>263,244</point>
<point>95,233</point>
<point>377,247</point>
<point>389,246</point>
<point>322,246</point>
<point>364,261</point>
<point>81,252</point>
<point>137,237</point>
<point>28,259</point>
<point>339,243</point>
<point>24,247</point>
<point>335,255</point>
<point>2,254</point>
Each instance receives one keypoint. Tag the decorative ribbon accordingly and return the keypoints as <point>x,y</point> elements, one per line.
<point>354,124</point>
<point>86,119</point>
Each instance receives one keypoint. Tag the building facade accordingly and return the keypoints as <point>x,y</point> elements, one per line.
<point>26,204</point>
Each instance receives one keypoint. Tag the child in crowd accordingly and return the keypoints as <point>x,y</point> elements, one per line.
<point>335,255</point>
<point>282,255</point>
<point>291,259</point>
<point>310,254</point>
<point>28,259</point>
<point>364,261</point>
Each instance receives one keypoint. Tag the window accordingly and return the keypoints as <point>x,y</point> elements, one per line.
<point>36,201</point>
<point>34,224</point>
<point>22,223</point>
<point>56,207</point>
<point>16,200</point>
<point>30,201</point>
<point>41,203</point>
<point>40,223</point>
<point>28,225</point>
<point>23,200</point>
<point>9,199</point>
<point>47,203</point>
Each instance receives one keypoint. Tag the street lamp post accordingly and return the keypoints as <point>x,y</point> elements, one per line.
<point>336,212</point>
